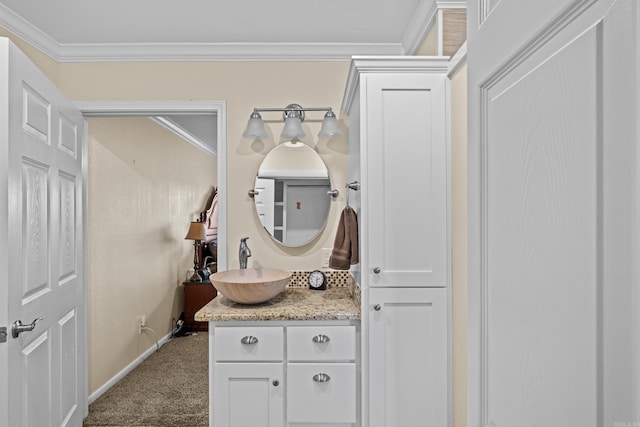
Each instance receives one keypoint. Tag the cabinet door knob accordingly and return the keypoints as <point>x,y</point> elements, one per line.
<point>321,378</point>
<point>249,339</point>
<point>275,383</point>
<point>376,270</point>
<point>321,339</point>
<point>377,307</point>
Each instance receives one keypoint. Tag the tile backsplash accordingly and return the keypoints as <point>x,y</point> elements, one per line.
<point>335,279</point>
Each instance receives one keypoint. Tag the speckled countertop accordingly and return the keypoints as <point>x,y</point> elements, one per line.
<point>294,303</point>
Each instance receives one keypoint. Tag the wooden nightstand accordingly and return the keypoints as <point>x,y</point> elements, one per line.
<point>196,296</point>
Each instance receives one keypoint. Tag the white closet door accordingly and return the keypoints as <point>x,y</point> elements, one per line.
<point>553,146</point>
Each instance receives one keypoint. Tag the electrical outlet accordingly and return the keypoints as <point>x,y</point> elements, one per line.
<point>326,254</point>
<point>142,322</point>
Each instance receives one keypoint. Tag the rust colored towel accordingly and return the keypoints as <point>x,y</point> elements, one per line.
<point>345,247</point>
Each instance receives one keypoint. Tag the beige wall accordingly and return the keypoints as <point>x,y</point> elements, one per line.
<point>244,85</point>
<point>44,62</point>
<point>145,184</point>
<point>459,242</point>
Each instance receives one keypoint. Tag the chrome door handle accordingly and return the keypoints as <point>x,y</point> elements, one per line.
<point>377,307</point>
<point>376,270</point>
<point>321,378</point>
<point>249,339</point>
<point>17,328</point>
<point>275,383</point>
<point>321,339</point>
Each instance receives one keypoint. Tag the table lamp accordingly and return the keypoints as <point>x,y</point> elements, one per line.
<point>197,233</point>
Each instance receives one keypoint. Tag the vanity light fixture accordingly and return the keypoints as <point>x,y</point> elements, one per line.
<point>293,116</point>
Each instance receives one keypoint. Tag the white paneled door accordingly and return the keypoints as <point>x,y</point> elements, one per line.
<point>43,369</point>
<point>553,184</point>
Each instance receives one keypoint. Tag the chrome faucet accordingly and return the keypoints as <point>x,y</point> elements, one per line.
<point>245,252</point>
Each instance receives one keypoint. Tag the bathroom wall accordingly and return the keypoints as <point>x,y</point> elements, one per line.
<point>244,85</point>
<point>145,184</point>
<point>459,242</point>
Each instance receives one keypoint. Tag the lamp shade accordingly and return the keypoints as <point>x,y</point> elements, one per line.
<point>292,128</point>
<point>255,127</point>
<point>196,231</point>
<point>330,126</point>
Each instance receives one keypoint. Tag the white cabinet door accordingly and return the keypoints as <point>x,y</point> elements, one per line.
<point>248,394</point>
<point>406,179</point>
<point>407,357</point>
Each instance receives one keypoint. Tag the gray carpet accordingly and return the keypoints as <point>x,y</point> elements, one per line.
<point>168,389</point>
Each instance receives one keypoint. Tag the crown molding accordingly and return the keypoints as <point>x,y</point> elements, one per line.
<point>389,64</point>
<point>195,52</point>
<point>423,20</point>
<point>188,52</point>
<point>31,34</point>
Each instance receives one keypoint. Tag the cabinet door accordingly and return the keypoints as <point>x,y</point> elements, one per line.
<point>407,357</point>
<point>405,159</point>
<point>248,394</point>
<point>321,393</point>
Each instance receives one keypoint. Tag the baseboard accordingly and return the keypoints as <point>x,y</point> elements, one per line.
<point>120,375</point>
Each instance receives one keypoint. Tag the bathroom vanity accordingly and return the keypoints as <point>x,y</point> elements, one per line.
<point>291,361</point>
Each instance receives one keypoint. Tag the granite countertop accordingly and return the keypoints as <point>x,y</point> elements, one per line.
<point>294,303</point>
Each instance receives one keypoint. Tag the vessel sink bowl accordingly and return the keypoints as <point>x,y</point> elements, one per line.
<point>251,285</point>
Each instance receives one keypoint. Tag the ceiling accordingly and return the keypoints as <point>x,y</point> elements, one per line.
<point>254,30</point>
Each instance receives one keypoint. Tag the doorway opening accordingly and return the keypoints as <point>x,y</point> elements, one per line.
<point>139,299</point>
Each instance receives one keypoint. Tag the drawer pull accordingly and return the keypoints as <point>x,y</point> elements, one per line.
<point>321,378</point>
<point>321,339</point>
<point>249,339</point>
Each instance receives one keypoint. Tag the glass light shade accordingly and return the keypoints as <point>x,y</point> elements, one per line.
<point>196,231</point>
<point>330,126</point>
<point>255,127</point>
<point>292,128</point>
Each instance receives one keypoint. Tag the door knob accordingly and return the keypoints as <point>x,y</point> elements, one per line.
<point>275,383</point>
<point>376,270</point>
<point>17,328</point>
<point>377,307</point>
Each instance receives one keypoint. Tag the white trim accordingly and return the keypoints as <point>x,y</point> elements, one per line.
<point>172,126</point>
<point>395,64</point>
<point>31,34</point>
<point>195,52</point>
<point>457,60</point>
<point>130,367</point>
<point>152,108</point>
<point>420,25</point>
<point>451,4</point>
<point>636,231</point>
<point>422,22</point>
<point>83,316</point>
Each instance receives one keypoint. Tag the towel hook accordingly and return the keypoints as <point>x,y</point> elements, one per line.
<point>353,185</point>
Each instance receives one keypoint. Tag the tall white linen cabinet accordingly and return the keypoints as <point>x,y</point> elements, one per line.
<point>397,110</point>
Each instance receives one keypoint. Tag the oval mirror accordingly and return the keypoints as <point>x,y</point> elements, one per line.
<point>291,196</point>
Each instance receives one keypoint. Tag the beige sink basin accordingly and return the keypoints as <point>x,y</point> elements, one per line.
<point>252,285</point>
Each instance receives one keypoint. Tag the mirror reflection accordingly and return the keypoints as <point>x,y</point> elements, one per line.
<point>291,196</point>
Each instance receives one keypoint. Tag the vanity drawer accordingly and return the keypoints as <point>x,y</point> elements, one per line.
<point>320,343</point>
<point>321,392</point>
<point>248,344</point>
